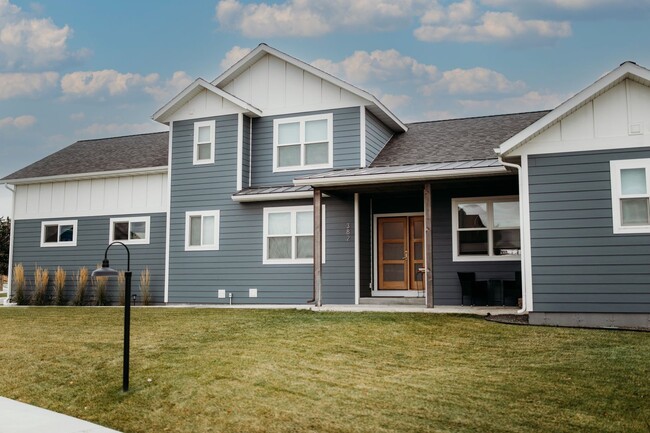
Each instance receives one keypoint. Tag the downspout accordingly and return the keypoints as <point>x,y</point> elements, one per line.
<point>522,234</point>
<point>10,265</point>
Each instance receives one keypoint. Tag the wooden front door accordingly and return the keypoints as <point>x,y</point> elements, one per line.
<point>400,252</point>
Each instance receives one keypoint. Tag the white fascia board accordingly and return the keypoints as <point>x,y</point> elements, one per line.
<point>626,70</point>
<point>192,90</point>
<point>262,49</point>
<point>272,197</point>
<point>92,175</point>
<point>370,179</point>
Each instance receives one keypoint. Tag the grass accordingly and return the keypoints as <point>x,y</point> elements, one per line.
<point>219,370</point>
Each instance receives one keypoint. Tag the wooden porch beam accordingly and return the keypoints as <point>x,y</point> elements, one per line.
<point>318,247</point>
<point>428,247</point>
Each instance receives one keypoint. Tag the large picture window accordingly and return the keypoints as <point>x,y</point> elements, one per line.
<point>202,230</point>
<point>59,233</point>
<point>204,142</point>
<point>289,235</point>
<point>130,230</point>
<point>302,143</point>
<point>486,228</point>
<point>630,195</point>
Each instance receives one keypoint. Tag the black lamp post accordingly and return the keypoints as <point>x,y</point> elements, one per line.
<point>106,271</point>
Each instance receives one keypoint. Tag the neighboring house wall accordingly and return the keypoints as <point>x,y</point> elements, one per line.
<point>346,136</point>
<point>197,276</point>
<point>578,264</point>
<point>92,240</point>
<point>377,135</point>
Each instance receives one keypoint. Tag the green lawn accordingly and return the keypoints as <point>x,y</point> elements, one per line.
<point>218,370</point>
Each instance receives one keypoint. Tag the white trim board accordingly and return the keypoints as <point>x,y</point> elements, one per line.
<point>84,176</point>
<point>240,151</point>
<point>272,197</point>
<point>168,213</point>
<point>362,137</point>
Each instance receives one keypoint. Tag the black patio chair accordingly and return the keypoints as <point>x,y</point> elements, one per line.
<point>512,291</point>
<point>473,292</point>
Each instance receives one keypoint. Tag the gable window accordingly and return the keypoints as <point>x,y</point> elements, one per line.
<point>59,233</point>
<point>289,235</point>
<point>202,230</point>
<point>486,228</point>
<point>302,143</point>
<point>630,195</point>
<point>134,230</point>
<point>204,142</point>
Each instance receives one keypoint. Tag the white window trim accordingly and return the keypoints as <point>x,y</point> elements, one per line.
<point>198,125</point>
<point>454,228</point>
<point>302,119</point>
<point>60,223</point>
<point>293,210</point>
<point>202,213</point>
<point>145,219</point>
<point>615,172</point>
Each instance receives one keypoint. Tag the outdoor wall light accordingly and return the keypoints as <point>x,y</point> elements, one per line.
<point>107,271</point>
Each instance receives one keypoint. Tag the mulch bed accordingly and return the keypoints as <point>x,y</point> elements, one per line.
<point>510,319</point>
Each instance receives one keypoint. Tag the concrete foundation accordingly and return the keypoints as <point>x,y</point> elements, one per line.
<point>592,320</point>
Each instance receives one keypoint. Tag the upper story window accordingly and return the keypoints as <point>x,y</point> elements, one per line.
<point>302,143</point>
<point>486,228</point>
<point>204,142</point>
<point>630,195</point>
<point>289,235</point>
<point>59,233</point>
<point>130,230</point>
<point>202,230</point>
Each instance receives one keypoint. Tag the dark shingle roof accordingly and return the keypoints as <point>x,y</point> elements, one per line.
<point>466,139</point>
<point>106,154</point>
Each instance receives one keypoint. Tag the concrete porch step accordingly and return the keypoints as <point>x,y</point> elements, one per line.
<point>385,300</point>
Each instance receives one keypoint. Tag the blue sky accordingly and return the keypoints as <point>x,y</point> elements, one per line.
<point>82,69</point>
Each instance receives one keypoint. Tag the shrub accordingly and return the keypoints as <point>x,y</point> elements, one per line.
<point>81,282</point>
<point>59,286</point>
<point>101,297</point>
<point>145,285</point>
<point>41,279</point>
<point>18,285</point>
<point>121,283</point>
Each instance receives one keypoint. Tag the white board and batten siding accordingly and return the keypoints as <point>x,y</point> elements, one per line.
<point>205,104</point>
<point>277,87</point>
<point>617,118</point>
<point>137,194</point>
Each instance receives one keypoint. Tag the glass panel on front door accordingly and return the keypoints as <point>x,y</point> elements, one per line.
<point>400,252</point>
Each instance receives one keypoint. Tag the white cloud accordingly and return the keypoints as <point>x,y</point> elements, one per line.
<point>98,130</point>
<point>90,83</point>
<point>19,122</point>
<point>473,81</point>
<point>26,84</point>
<point>78,116</point>
<point>170,88</point>
<point>31,42</point>
<point>392,102</point>
<point>310,18</point>
<point>438,26</point>
<point>235,54</point>
<point>530,101</point>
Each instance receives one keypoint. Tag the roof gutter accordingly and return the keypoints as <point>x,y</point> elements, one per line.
<point>91,175</point>
<point>371,179</point>
<point>522,235</point>
<point>248,198</point>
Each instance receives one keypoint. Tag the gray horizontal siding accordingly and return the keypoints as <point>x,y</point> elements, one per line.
<point>346,128</point>
<point>246,159</point>
<point>579,265</point>
<point>377,135</point>
<point>196,276</point>
<point>92,240</point>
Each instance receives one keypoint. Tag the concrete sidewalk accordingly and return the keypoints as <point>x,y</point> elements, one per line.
<point>17,417</point>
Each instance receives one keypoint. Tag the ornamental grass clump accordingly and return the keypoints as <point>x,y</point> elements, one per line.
<point>121,285</point>
<point>18,285</point>
<point>41,279</point>
<point>145,286</point>
<point>101,297</point>
<point>59,286</point>
<point>81,282</point>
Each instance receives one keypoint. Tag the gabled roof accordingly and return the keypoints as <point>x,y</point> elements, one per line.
<point>375,107</point>
<point>627,70</point>
<point>468,139</point>
<point>144,152</point>
<point>194,89</point>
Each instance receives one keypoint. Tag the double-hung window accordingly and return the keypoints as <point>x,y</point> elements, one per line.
<point>289,235</point>
<point>486,228</point>
<point>59,233</point>
<point>130,230</point>
<point>202,230</point>
<point>204,142</point>
<point>302,143</point>
<point>630,195</point>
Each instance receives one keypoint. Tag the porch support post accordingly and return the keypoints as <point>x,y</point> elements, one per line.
<point>428,247</point>
<point>318,247</point>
